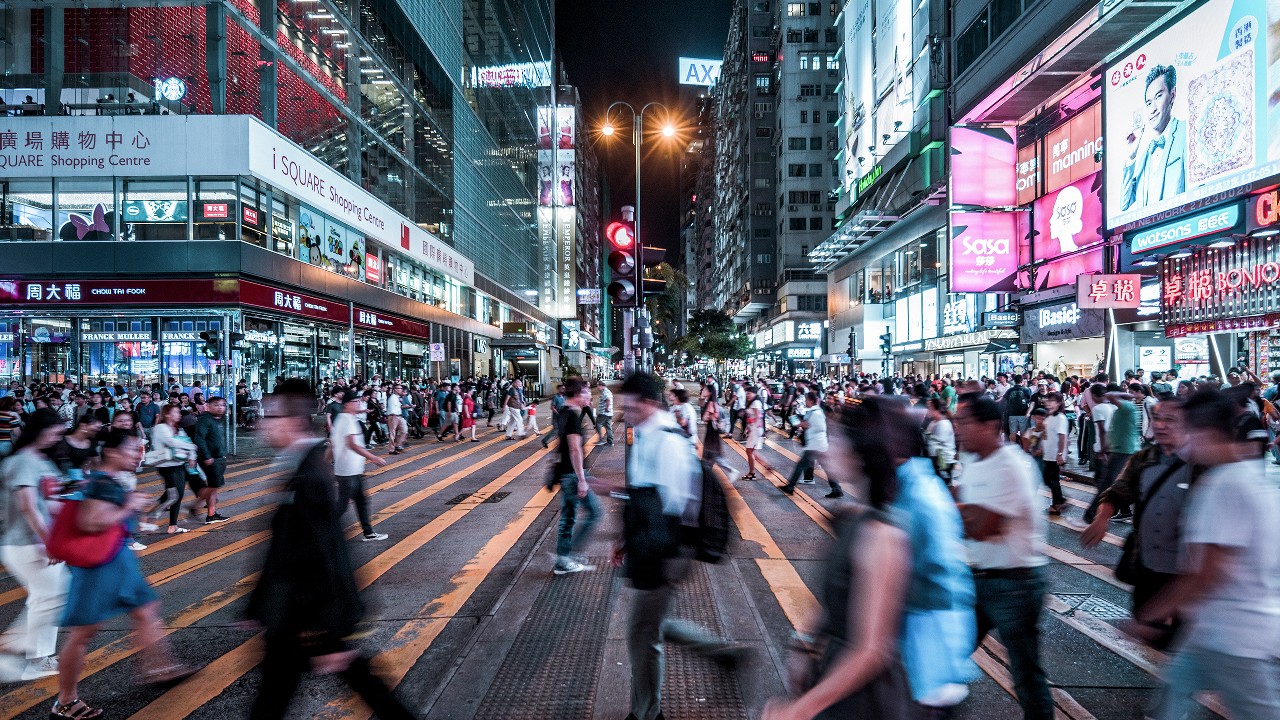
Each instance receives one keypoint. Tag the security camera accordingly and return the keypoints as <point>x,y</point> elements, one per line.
<point>884,138</point>
<point>1097,157</point>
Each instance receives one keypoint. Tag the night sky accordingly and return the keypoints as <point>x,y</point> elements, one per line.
<point>615,50</point>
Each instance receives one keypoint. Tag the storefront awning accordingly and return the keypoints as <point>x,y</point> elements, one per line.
<point>1001,346</point>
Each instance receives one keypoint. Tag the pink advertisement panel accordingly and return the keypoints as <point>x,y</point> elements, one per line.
<point>1065,221</point>
<point>984,251</point>
<point>983,164</point>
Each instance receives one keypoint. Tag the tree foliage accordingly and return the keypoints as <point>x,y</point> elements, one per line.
<point>713,335</point>
<point>665,308</point>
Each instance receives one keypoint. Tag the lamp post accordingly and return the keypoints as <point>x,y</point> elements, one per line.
<point>637,140</point>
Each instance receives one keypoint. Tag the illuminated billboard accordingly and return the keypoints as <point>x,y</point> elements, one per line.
<point>531,74</point>
<point>983,162</point>
<point>984,251</point>
<point>1188,113</point>
<point>699,71</point>
<point>1065,222</point>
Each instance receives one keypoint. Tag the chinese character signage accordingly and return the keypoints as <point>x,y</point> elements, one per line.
<point>1072,149</point>
<point>105,146</point>
<point>64,293</point>
<point>1095,292</point>
<point>1225,284</point>
<point>293,303</point>
<point>1190,111</point>
<point>984,251</point>
<point>1210,222</point>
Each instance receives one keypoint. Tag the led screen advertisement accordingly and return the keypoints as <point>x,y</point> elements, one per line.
<point>984,251</point>
<point>1188,113</point>
<point>1065,222</point>
<point>983,164</point>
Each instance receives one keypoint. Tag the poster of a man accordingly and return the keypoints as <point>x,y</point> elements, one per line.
<point>1156,166</point>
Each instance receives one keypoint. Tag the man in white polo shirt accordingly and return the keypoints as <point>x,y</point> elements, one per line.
<point>1005,531</point>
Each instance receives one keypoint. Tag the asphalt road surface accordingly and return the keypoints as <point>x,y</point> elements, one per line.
<point>466,619</point>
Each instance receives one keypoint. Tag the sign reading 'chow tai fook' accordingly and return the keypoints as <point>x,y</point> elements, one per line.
<point>1232,283</point>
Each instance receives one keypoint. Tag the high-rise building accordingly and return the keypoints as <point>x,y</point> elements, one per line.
<point>344,184</point>
<point>697,190</point>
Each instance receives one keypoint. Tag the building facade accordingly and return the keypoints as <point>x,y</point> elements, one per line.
<point>368,169</point>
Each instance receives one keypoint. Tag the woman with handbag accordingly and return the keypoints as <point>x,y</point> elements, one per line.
<point>170,451</point>
<point>102,590</point>
<point>28,474</point>
<point>851,668</point>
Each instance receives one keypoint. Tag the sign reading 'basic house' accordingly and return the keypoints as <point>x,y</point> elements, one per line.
<point>171,146</point>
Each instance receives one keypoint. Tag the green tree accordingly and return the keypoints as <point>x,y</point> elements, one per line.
<point>712,334</point>
<point>666,308</point>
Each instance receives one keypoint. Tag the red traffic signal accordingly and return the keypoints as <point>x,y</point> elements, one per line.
<point>621,235</point>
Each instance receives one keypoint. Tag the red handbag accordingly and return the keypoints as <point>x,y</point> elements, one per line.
<point>77,548</point>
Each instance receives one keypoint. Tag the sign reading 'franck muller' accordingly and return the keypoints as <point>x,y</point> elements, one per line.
<point>1238,282</point>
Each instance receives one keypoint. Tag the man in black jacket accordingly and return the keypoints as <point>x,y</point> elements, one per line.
<point>306,598</point>
<point>210,438</point>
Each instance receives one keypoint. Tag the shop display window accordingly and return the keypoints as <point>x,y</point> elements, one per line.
<point>10,358</point>
<point>114,352</point>
<point>47,355</point>
<point>26,210</point>
<point>184,359</point>
<point>216,209</point>
<point>86,209</point>
<point>255,221</point>
<point>154,209</point>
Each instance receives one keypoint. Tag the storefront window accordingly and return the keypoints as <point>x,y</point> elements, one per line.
<point>879,284</point>
<point>261,357</point>
<point>284,231</point>
<point>254,226</point>
<point>182,349</point>
<point>117,351</point>
<point>47,353</point>
<point>26,210</point>
<point>216,209</point>
<point>153,209</point>
<point>10,365</point>
<point>86,209</point>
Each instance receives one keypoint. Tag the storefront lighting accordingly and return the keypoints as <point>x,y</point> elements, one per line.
<point>322,15</point>
<point>333,31</point>
<point>1145,263</point>
<point>1223,243</point>
<point>1180,255</point>
<point>1267,232</point>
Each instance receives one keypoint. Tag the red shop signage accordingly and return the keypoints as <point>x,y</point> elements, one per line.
<point>64,293</point>
<point>293,303</point>
<point>391,323</point>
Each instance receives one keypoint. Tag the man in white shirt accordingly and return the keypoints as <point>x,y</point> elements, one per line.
<point>814,423</point>
<point>999,503</point>
<point>604,413</point>
<point>397,429</point>
<point>349,456</point>
<point>1229,593</point>
<point>660,461</point>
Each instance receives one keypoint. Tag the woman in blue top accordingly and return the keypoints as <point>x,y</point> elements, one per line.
<point>100,594</point>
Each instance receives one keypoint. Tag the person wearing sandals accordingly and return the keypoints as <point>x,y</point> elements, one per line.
<point>117,587</point>
<point>28,474</point>
<point>170,451</point>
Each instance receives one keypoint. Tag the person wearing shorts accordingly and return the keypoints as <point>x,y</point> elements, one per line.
<point>754,420</point>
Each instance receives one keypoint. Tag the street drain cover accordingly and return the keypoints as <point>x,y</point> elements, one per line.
<point>1094,605</point>
<point>458,498</point>
<point>497,497</point>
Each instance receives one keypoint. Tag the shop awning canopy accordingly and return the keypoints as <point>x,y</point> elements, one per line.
<point>1001,346</point>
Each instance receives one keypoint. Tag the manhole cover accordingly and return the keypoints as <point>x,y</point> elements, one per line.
<point>497,497</point>
<point>457,499</point>
<point>1094,605</point>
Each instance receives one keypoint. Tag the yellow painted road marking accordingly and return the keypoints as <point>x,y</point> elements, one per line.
<point>202,687</point>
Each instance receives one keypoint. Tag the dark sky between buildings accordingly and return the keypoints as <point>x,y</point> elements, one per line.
<point>628,51</point>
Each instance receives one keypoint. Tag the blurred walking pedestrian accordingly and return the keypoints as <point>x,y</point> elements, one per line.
<point>1229,590</point>
<point>662,506</point>
<point>27,475</point>
<point>999,502</point>
<point>100,593</point>
<point>575,489</point>
<point>306,597</point>
<point>346,441</point>
<point>851,666</point>
<point>210,438</point>
<point>815,439</point>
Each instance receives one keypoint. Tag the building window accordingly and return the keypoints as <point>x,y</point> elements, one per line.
<point>764,208</point>
<point>972,43</point>
<point>763,107</point>
<point>795,143</point>
<point>831,90</point>
<point>764,132</point>
<point>833,116</point>
<point>760,31</point>
<point>815,9</point>
<point>797,223</point>
<point>794,36</point>
<point>804,61</point>
<point>1003,15</point>
<point>815,143</point>
<point>815,170</point>
<point>796,170</point>
<point>811,34</point>
<point>764,258</point>
<point>795,9</point>
<point>830,35</point>
<point>833,62</point>
<point>760,7</point>
<point>815,223</point>
<point>762,233</point>
<point>804,116</point>
<point>810,90</point>
<point>763,83</point>
<point>817,116</point>
<point>761,183</point>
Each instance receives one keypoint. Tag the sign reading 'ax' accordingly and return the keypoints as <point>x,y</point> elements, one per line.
<point>699,71</point>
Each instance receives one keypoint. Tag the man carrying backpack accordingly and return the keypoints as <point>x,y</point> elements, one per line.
<point>1017,405</point>
<point>662,515</point>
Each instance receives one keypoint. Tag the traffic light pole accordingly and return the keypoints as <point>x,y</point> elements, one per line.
<point>628,352</point>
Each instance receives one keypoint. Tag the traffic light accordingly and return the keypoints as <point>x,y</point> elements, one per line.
<point>886,343</point>
<point>853,343</point>
<point>212,344</point>
<point>624,264</point>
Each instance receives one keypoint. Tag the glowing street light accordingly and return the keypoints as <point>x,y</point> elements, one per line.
<point>669,130</point>
<point>607,130</point>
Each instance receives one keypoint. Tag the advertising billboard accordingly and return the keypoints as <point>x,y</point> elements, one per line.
<point>699,71</point>
<point>1188,113</point>
<point>1064,222</point>
<point>983,164</point>
<point>859,94</point>
<point>984,251</point>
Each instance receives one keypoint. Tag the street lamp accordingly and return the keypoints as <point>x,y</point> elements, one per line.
<point>637,140</point>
